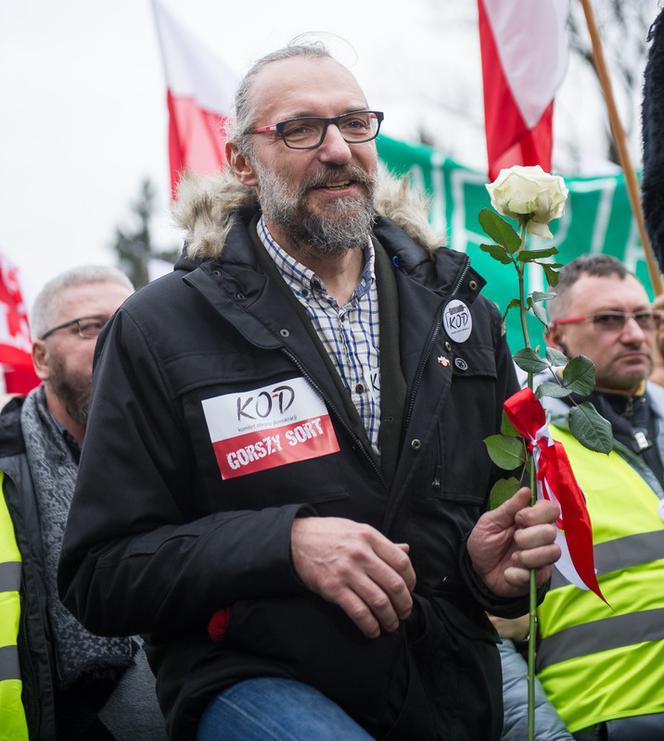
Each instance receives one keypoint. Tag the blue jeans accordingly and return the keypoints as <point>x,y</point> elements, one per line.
<point>278,709</point>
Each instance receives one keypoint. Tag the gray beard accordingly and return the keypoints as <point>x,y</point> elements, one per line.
<point>73,391</point>
<point>345,225</point>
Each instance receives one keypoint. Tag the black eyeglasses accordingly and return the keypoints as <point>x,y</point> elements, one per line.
<point>308,132</point>
<point>88,327</point>
<point>614,321</point>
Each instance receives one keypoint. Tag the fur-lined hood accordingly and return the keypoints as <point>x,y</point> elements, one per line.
<point>206,206</point>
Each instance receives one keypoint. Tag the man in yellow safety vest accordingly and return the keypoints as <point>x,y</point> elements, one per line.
<point>602,665</point>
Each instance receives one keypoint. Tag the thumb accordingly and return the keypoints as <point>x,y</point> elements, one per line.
<point>504,515</point>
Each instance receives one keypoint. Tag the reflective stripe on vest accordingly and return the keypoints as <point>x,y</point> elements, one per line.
<point>598,662</point>
<point>12,714</point>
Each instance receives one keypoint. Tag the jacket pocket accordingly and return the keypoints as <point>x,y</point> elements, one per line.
<point>189,371</point>
<point>471,415</point>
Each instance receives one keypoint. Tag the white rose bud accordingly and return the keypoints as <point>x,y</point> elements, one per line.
<point>530,196</point>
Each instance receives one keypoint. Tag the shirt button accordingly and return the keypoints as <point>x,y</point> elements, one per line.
<point>304,293</point>
<point>415,444</point>
<point>359,389</point>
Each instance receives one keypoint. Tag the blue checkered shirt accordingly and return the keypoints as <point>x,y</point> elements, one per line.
<point>349,333</point>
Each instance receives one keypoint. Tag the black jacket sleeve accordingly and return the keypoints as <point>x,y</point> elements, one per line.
<point>136,558</point>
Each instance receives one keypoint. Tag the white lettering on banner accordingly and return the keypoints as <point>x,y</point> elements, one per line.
<point>254,452</point>
<point>269,426</point>
<point>304,432</point>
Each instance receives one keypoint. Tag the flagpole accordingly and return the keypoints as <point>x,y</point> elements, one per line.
<point>621,145</point>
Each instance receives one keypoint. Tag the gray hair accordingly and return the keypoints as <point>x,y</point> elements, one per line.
<point>244,110</point>
<point>601,266</point>
<point>47,302</point>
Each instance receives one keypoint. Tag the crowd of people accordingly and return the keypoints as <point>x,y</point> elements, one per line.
<point>280,505</point>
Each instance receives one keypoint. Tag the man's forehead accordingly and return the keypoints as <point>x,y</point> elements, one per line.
<point>304,86</point>
<point>90,298</point>
<point>592,292</point>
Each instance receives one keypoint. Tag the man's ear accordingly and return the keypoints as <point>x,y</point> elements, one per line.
<point>40,359</point>
<point>240,165</point>
<point>553,338</point>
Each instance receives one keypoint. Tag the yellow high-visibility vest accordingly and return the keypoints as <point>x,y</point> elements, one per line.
<point>13,726</point>
<point>600,662</point>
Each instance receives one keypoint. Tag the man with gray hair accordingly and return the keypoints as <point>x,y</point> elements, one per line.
<point>58,680</point>
<point>292,425</point>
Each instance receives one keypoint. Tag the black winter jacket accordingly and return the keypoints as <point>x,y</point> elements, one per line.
<point>157,541</point>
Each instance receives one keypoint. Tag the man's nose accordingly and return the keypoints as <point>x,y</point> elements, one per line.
<point>334,148</point>
<point>632,332</point>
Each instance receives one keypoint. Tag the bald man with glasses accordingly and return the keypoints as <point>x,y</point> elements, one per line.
<point>602,666</point>
<point>58,682</point>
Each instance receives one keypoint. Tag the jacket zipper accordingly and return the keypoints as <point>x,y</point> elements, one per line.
<point>335,409</point>
<point>433,335</point>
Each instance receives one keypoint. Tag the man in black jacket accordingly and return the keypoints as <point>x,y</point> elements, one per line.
<point>286,435</point>
<point>63,683</point>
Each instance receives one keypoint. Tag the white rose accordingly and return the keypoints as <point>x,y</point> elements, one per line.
<point>529,195</point>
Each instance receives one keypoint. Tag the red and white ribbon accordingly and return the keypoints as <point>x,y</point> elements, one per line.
<point>556,482</point>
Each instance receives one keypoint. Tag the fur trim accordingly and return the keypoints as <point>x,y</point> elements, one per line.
<point>207,204</point>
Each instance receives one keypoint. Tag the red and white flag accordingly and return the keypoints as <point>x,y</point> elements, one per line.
<point>200,91</point>
<point>524,59</point>
<point>556,482</point>
<point>15,341</point>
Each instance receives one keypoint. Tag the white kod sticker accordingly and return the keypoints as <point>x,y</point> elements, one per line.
<point>457,320</point>
<point>267,427</point>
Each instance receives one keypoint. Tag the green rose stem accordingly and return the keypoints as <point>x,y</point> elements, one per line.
<point>532,587</point>
<point>532,198</point>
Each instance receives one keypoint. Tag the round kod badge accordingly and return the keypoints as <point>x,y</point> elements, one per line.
<point>457,320</point>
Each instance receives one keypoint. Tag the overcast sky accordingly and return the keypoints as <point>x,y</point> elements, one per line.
<point>83,115</point>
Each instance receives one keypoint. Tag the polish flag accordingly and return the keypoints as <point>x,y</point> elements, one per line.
<point>556,482</point>
<point>524,59</point>
<point>15,341</point>
<point>200,93</point>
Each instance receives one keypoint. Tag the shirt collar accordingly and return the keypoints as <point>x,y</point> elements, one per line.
<point>298,275</point>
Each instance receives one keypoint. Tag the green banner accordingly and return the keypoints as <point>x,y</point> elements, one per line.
<point>597,219</point>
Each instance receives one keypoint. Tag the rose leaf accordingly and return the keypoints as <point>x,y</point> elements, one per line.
<point>497,252</point>
<point>497,228</point>
<point>506,426</point>
<point>590,428</point>
<point>530,255</point>
<point>502,490</point>
<point>555,356</point>
<point>528,360</point>
<point>548,388</point>
<point>506,452</point>
<point>579,375</point>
